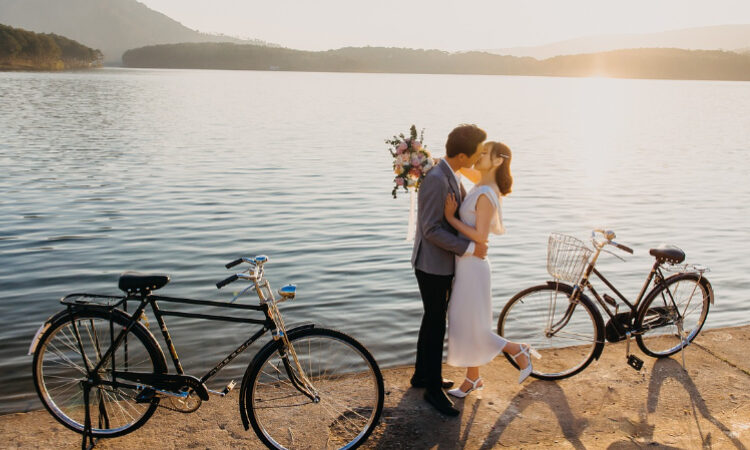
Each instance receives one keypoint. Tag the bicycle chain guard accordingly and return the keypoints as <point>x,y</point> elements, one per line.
<point>611,329</point>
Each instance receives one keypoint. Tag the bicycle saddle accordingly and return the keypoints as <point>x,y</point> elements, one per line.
<point>668,253</point>
<point>133,282</point>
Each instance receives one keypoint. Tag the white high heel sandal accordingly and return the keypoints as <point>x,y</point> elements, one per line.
<point>461,394</point>
<point>527,351</point>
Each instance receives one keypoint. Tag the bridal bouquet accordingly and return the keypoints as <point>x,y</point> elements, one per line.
<point>411,160</point>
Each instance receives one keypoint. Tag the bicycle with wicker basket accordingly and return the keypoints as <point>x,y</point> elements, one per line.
<point>561,320</point>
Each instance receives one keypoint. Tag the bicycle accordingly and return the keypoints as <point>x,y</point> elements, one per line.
<point>100,372</point>
<point>565,324</point>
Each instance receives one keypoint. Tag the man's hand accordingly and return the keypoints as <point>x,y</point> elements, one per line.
<point>480,249</point>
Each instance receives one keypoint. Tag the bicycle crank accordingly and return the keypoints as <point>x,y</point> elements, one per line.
<point>633,361</point>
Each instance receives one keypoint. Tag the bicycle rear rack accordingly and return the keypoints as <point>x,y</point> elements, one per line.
<point>107,301</point>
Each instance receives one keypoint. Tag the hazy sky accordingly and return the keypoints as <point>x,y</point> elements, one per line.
<point>444,24</point>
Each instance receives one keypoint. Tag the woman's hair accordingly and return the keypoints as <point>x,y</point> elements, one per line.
<point>503,178</point>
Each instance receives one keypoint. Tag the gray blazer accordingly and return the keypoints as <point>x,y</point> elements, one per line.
<point>436,242</point>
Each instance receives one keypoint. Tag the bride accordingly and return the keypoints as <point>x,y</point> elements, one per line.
<point>471,341</point>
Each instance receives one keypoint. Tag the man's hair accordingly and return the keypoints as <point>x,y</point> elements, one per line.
<point>464,139</point>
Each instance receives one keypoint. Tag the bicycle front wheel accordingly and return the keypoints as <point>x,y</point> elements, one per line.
<point>672,315</point>
<point>72,345</point>
<point>568,334</point>
<point>346,383</point>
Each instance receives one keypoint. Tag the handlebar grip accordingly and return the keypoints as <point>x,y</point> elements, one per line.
<point>223,283</point>
<point>625,248</point>
<point>233,263</point>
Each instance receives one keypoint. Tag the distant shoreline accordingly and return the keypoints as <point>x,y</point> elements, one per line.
<point>27,68</point>
<point>645,63</point>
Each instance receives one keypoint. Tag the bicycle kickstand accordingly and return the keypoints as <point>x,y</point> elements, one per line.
<point>633,361</point>
<point>683,343</point>
<point>88,442</point>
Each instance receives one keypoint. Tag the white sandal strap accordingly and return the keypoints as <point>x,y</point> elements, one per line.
<point>474,383</point>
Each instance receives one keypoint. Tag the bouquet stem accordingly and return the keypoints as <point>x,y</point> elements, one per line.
<point>411,230</point>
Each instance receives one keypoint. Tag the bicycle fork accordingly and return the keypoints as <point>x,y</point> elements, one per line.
<point>297,377</point>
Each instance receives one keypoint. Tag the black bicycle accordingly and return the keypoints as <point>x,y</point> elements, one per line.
<point>100,372</point>
<point>567,328</point>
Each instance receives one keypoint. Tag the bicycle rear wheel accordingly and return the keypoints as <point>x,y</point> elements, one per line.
<point>568,335</point>
<point>59,368</point>
<point>344,375</point>
<point>682,302</point>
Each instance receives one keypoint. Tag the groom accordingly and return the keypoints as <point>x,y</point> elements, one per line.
<point>435,245</point>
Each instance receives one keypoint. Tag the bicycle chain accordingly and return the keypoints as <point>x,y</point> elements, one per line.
<point>160,404</point>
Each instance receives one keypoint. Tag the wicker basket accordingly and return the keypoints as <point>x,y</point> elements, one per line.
<point>567,257</point>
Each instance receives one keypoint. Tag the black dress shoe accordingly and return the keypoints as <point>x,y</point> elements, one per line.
<point>419,383</point>
<point>441,402</point>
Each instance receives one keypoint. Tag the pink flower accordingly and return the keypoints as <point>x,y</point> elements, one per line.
<point>401,147</point>
<point>399,181</point>
<point>416,145</point>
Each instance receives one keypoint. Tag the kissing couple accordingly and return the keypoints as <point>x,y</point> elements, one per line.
<point>452,269</point>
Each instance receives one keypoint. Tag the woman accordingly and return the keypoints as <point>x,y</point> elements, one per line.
<point>471,342</point>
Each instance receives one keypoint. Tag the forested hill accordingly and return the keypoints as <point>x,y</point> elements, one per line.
<point>112,26</point>
<point>635,63</point>
<point>26,50</point>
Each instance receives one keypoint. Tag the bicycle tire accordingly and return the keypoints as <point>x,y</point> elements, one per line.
<point>657,333</point>
<point>566,353</point>
<point>57,375</point>
<point>282,417</point>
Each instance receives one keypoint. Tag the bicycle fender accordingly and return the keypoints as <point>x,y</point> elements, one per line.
<point>42,328</point>
<point>568,289</point>
<point>700,279</point>
<point>243,386</point>
<point>60,314</point>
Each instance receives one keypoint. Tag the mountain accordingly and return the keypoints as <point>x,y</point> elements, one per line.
<point>111,26</point>
<point>721,37</point>
<point>634,63</point>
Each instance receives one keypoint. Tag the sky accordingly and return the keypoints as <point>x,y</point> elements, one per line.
<point>445,24</point>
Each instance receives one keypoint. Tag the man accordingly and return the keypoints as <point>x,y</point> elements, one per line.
<point>435,245</point>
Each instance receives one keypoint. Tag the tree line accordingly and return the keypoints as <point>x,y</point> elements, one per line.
<point>666,63</point>
<point>21,49</point>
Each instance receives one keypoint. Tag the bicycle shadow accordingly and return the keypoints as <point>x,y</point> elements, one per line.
<point>535,392</point>
<point>668,368</point>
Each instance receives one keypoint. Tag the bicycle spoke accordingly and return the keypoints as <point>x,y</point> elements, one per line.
<point>576,336</point>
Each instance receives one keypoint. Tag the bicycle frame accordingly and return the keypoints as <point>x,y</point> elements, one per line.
<point>655,274</point>
<point>267,324</point>
<point>585,284</point>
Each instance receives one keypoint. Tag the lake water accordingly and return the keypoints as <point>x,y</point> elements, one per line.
<point>181,171</point>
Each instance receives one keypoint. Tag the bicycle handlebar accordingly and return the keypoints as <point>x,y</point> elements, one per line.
<point>225,282</point>
<point>624,248</point>
<point>609,235</point>
<point>233,263</point>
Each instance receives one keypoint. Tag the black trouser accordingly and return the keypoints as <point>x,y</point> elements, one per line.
<point>435,292</point>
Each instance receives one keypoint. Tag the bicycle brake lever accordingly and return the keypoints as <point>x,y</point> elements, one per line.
<point>615,255</point>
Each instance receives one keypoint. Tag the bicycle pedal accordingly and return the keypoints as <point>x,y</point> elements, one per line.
<point>145,396</point>
<point>635,362</point>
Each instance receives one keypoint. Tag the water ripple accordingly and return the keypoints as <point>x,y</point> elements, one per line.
<point>179,172</point>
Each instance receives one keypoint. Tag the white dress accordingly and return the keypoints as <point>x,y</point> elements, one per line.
<point>471,340</point>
